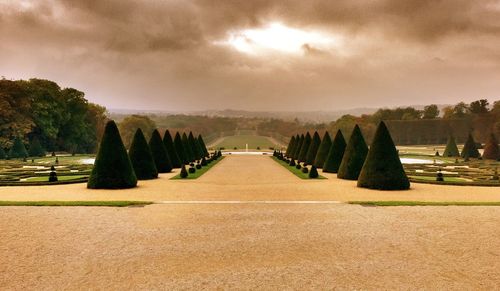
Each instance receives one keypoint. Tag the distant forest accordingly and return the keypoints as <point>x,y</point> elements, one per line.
<point>60,119</point>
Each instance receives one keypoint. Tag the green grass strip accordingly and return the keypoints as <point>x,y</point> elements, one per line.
<point>76,203</point>
<point>424,203</point>
<point>295,171</point>
<point>199,172</point>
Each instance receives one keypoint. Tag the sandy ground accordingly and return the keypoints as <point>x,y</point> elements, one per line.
<point>250,178</point>
<point>249,247</point>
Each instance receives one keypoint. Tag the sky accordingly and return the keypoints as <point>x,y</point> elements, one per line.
<point>292,55</point>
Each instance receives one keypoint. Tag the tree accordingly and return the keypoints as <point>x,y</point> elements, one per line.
<point>304,148</point>
<point>170,147</point>
<point>203,146</point>
<point>430,112</point>
<point>193,142</point>
<point>491,150</point>
<point>470,148</point>
<point>324,149</point>
<point>313,148</point>
<point>382,168</point>
<point>313,174</point>
<point>2,153</point>
<point>187,147</point>
<point>142,158</point>
<point>451,149</point>
<point>289,148</point>
<point>354,156</point>
<point>160,155</point>
<point>479,106</point>
<point>112,167</point>
<point>130,124</point>
<point>179,148</point>
<point>36,149</point>
<point>335,154</point>
<point>18,151</point>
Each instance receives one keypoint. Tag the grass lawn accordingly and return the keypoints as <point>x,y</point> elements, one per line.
<point>294,170</point>
<point>240,141</point>
<point>199,172</point>
<point>423,203</point>
<point>433,178</point>
<point>75,203</point>
<point>60,178</point>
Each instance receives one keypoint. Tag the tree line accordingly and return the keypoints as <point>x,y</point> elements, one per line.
<point>41,113</point>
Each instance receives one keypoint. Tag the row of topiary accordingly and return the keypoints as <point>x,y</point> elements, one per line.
<point>115,169</point>
<point>470,150</point>
<point>377,168</point>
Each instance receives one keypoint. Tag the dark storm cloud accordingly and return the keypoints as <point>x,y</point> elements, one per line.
<point>161,54</point>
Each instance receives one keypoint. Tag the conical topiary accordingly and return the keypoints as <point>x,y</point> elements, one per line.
<point>194,147</point>
<point>199,149</point>
<point>354,156</point>
<point>2,153</point>
<point>112,167</point>
<point>289,148</point>
<point>470,148</point>
<point>335,154</point>
<point>313,173</point>
<point>203,146</point>
<point>36,149</point>
<point>304,148</point>
<point>299,141</point>
<point>324,148</point>
<point>491,150</point>
<point>160,155</point>
<point>179,148</point>
<point>382,168</point>
<point>187,148</point>
<point>313,148</point>
<point>451,149</point>
<point>172,153</point>
<point>18,151</point>
<point>142,158</point>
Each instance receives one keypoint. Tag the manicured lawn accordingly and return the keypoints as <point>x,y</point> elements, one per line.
<point>60,178</point>
<point>240,141</point>
<point>294,170</point>
<point>75,203</point>
<point>199,172</point>
<point>431,178</point>
<point>424,203</point>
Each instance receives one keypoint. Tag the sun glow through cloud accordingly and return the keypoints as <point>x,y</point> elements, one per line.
<point>280,38</point>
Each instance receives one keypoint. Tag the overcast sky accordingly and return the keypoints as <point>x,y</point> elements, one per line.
<point>257,55</point>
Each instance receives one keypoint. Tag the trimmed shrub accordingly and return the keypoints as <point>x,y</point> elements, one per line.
<point>289,148</point>
<point>304,148</point>
<point>198,166</point>
<point>203,146</point>
<point>491,150</point>
<point>313,148</point>
<point>194,147</point>
<point>305,170</point>
<point>436,154</point>
<point>36,149</point>
<point>470,149</point>
<point>451,149</point>
<point>313,174</point>
<point>354,156</point>
<point>296,150</point>
<point>201,152</point>
<point>184,172</point>
<point>292,163</point>
<point>170,147</point>
<point>179,149</point>
<point>141,157</point>
<point>112,168</point>
<point>18,151</point>
<point>335,154</point>
<point>192,170</point>
<point>187,148</point>
<point>298,166</point>
<point>382,168</point>
<point>159,152</point>
<point>53,174</point>
<point>323,150</point>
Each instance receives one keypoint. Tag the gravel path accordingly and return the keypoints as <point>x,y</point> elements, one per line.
<point>249,247</point>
